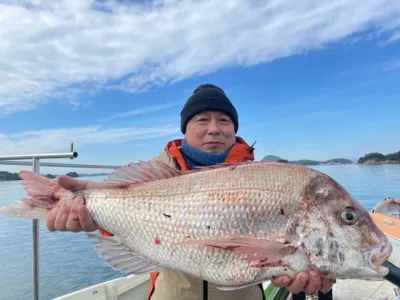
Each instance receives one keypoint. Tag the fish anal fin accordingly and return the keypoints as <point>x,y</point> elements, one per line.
<point>120,257</point>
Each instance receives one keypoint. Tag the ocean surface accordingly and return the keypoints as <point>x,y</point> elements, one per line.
<point>68,263</point>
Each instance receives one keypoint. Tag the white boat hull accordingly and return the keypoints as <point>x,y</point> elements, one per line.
<point>131,287</point>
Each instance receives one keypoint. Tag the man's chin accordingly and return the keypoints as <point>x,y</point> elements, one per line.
<point>214,149</point>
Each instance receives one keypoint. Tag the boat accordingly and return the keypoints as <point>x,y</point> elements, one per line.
<point>136,286</point>
<point>124,288</point>
<point>386,215</point>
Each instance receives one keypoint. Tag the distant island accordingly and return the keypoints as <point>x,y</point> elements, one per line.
<point>370,158</point>
<point>379,158</point>
<point>309,162</point>
<point>7,176</point>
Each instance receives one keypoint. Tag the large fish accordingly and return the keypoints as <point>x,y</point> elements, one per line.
<point>234,225</point>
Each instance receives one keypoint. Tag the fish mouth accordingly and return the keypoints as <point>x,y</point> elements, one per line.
<point>378,257</point>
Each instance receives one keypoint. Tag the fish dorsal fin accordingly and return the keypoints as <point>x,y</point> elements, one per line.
<point>142,171</point>
<point>230,165</point>
<point>120,257</point>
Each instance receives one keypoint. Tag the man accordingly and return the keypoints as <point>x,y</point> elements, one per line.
<point>209,123</point>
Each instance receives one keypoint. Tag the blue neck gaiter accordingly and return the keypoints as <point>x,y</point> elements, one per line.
<point>196,157</point>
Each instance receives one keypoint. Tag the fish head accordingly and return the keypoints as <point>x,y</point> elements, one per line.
<point>338,236</point>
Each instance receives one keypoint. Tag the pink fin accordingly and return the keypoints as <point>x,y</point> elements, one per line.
<point>233,165</point>
<point>256,249</point>
<point>45,193</point>
<point>121,258</point>
<point>42,191</point>
<point>142,171</point>
<point>230,165</point>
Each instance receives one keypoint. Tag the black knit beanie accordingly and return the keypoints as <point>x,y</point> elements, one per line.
<point>208,97</point>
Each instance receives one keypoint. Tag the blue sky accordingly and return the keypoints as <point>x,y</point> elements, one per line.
<point>316,79</point>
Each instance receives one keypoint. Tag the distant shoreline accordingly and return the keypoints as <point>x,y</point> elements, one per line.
<point>368,159</point>
<point>8,176</point>
<point>379,163</point>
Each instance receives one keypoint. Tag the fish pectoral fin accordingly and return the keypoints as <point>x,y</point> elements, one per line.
<point>120,257</point>
<point>255,249</point>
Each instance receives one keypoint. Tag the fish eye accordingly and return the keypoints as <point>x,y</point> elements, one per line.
<point>349,216</point>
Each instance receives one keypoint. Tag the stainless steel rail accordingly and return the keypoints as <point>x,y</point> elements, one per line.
<point>36,164</point>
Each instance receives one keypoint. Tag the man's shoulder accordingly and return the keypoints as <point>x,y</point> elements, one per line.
<point>166,158</point>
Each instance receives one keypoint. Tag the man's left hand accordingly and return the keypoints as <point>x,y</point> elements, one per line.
<point>308,282</point>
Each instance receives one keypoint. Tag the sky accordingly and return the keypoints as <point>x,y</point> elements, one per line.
<point>310,79</point>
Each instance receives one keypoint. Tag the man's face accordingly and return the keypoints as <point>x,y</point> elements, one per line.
<point>210,131</point>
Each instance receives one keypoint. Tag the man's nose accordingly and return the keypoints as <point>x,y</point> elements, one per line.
<point>213,128</point>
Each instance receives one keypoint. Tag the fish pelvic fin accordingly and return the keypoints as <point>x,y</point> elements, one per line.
<point>119,257</point>
<point>261,252</point>
<point>143,171</point>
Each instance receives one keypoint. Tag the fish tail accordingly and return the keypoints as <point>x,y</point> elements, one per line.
<point>44,193</point>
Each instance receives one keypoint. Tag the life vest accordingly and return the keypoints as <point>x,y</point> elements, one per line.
<point>239,152</point>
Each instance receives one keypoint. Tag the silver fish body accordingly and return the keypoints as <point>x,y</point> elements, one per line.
<point>233,225</point>
<point>291,215</point>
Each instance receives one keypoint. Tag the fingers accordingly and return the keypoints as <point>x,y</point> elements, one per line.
<point>299,283</point>
<point>62,217</point>
<point>326,285</point>
<point>51,218</point>
<point>281,281</point>
<point>313,284</point>
<point>73,223</point>
<point>86,221</point>
<point>308,282</point>
<point>71,216</point>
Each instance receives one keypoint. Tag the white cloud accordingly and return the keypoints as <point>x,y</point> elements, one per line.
<point>394,37</point>
<point>140,111</point>
<point>309,115</point>
<point>50,140</point>
<point>57,50</point>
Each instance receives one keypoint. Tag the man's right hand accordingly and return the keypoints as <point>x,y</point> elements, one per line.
<point>72,215</point>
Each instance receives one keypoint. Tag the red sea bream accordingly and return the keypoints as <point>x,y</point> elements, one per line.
<point>234,225</point>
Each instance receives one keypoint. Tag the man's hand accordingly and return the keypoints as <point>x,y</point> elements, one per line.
<point>73,215</point>
<point>308,282</point>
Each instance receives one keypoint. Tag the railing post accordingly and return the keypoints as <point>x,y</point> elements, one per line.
<point>35,242</point>
<point>35,158</point>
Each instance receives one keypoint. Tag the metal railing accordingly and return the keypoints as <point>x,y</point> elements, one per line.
<point>36,164</point>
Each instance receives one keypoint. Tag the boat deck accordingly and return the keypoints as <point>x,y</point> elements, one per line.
<point>350,289</point>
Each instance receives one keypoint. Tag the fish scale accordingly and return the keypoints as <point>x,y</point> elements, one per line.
<point>234,225</point>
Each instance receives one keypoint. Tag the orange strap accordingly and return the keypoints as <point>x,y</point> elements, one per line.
<point>105,233</point>
<point>153,277</point>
